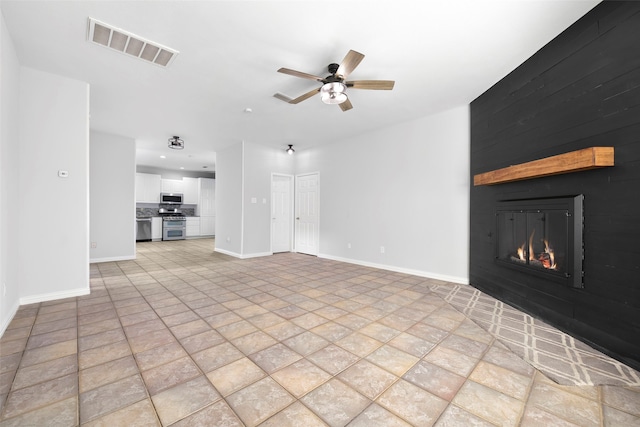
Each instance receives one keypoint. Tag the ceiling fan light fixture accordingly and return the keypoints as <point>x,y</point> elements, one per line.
<point>290,150</point>
<point>333,93</point>
<point>176,143</point>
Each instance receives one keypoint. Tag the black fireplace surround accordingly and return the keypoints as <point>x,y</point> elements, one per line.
<point>542,237</point>
<point>580,90</point>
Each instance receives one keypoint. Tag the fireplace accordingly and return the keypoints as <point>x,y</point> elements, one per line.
<point>542,237</point>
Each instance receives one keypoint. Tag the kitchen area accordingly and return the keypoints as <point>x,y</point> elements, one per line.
<point>174,208</point>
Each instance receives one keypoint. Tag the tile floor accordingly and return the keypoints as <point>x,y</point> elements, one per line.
<point>183,336</point>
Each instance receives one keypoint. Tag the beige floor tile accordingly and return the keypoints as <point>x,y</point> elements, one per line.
<point>140,414</point>
<point>306,343</point>
<point>184,399</point>
<point>367,378</point>
<point>218,414</point>
<point>300,377</point>
<point>295,415</point>
<point>275,357</point>
<point>535,417</point>
<point>452,360</point>
<point>151,340</point>
<point>50,352</point>
<point>412,403</point>
<point>160,355</point>
<point>259,401</point>
<point>566,405</point>
<point>59,414</point>
<point>236,375</point>
<point>393,360</point>
<point>335,402</point>
<point>333,359</point>
<point>436,380</point>
<point>49,338</point>
<point>489,404</point>
<point>170,374</point>
<point>254,342</point>
<point>284,330</point>
<point>103,354</point>
<point>613,417</point>
<point>201,341</point>
<point>501,379</point>
<point>111,397</point>
<point>457,417</point>
<point>359,344</point>
<point>41,394</point>
<point>215,357</point>
<point>30,375</point>
<point>377,416</point>
<point>106,373</point>
<point>92,341</point>
<point>626,399</point>
<point>236,329</point>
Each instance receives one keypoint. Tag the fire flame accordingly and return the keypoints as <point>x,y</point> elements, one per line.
<point>545,259</point>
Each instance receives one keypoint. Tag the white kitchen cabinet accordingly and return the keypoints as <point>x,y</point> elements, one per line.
<point>193,226</point>
<point>207,225</point>
<point>156,228</point>
<point>190,190</point>
<point>172,186</point>
<point>148,187</point>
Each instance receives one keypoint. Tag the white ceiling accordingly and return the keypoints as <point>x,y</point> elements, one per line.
<point>440,53</point>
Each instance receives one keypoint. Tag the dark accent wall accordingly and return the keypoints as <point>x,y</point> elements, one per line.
<point>580,90</point>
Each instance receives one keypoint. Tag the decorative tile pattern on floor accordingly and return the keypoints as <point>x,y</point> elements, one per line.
<point>556,354</point>
<point>184,336</point>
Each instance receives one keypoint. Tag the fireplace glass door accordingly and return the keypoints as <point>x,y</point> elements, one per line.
<point>538,236</point>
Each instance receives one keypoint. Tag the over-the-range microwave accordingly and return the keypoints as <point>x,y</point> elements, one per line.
<point>171,198</point>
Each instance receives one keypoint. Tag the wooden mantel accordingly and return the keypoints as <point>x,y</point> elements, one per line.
<point>574,161</point>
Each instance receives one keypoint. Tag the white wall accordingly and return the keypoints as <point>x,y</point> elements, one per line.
<point>9,159</point>
<point>112,189</point>
<point>259,163</point>
<point>229,200</point>
<point>404,187</point>
<point>53,228</point>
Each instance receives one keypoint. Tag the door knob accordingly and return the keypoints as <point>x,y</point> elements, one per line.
<point>298,218</point>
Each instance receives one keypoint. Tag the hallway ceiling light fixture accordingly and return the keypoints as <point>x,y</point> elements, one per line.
<point>290,150</point>
<point>176,143</point>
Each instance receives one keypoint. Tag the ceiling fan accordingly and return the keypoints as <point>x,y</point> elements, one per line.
<point>334,86</point>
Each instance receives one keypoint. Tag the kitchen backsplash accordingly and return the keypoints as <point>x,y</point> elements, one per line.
<point>148,209</point>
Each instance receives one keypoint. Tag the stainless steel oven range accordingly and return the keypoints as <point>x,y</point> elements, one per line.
<point>174,224</point>
<point>174,227</point>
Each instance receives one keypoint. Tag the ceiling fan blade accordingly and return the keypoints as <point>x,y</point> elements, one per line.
<point>299,74</point>
<point>304,96</point>
<point>346,105</point>
<point>371,84</point>
<point>349,63</point>
<point>282,97</point>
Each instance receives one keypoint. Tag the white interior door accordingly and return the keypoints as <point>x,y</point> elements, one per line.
<point>281,213</point>
<point>307,213</point>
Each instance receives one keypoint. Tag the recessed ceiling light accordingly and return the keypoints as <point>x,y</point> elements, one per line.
<point>181,167</point>
<point>248,110</point>
<point>163,157</point>
<point>205,166</point>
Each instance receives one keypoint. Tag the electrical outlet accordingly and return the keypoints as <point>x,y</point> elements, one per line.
<point>381,249</point>
<point>348,245</point>
<point>94,245</point>
<point>228,239</point>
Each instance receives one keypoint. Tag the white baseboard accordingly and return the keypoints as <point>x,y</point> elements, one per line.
<point>241,256</point>
<point>111,259</point>
<point>55,295</point>
<point>419,273</point>
<point>9,318</point>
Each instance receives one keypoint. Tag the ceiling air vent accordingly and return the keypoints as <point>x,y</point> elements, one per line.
<point>125,42</point>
